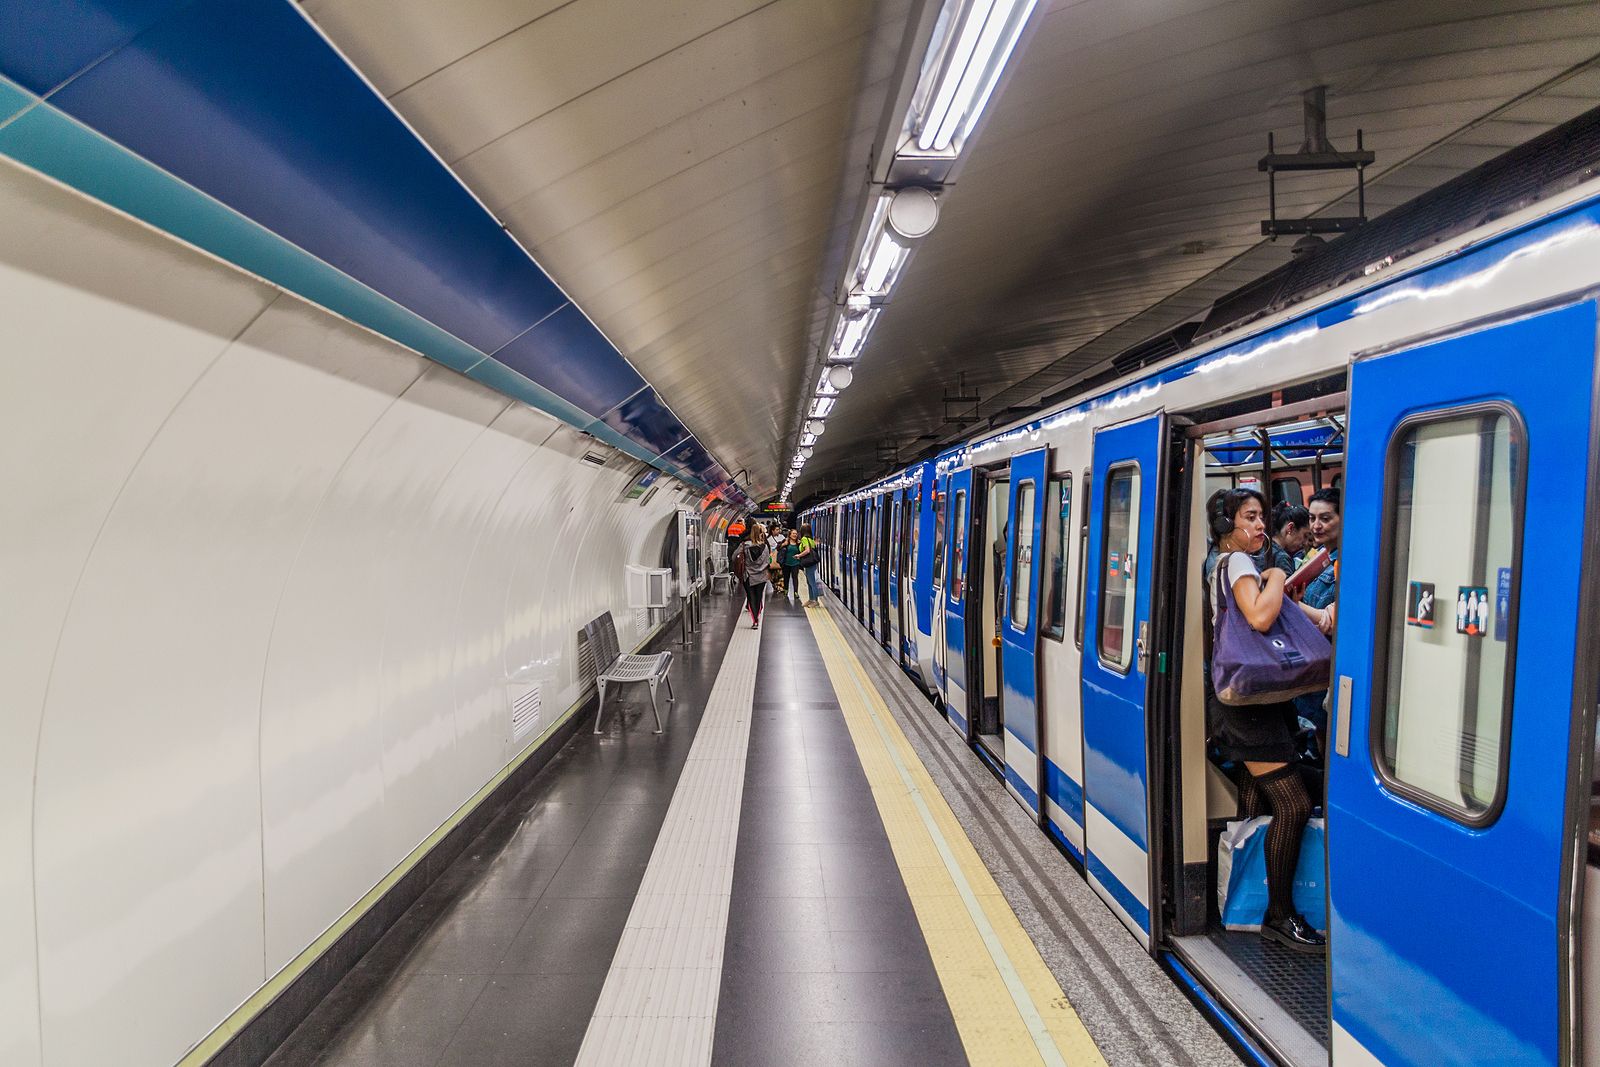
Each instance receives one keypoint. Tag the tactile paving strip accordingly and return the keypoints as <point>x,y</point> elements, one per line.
<point>659,1002</point>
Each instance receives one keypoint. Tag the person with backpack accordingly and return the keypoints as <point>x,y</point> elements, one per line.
<point>810,556</point>
<point>789,555</point>
<point>753,559</point>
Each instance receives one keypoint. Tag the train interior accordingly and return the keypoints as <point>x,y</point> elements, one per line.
<point>1287,451</point>
<point>990,533</point>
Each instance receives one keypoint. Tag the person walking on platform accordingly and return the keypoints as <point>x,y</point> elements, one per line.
<point>810,556</point>
<point>789,555</point>
<point>756,559</point>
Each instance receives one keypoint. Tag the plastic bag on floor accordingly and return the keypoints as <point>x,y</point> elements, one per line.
<point>1242,875</point>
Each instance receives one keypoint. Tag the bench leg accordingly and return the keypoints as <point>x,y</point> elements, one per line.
<point>601,710</point>
<point>653,706</point>
<point>668,679</point>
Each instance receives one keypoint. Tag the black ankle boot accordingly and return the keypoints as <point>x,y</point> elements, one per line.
<point>1295,933</point>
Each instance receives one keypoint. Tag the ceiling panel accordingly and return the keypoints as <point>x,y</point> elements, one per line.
<point>683,169</point>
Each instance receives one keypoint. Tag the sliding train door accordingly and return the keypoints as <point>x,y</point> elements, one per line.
<point>1115,660</point>
<point>955,601</point>
<point>1019,631</point>
<point>1451,836</point>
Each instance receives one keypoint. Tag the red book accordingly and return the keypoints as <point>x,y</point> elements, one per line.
<point>1314,565</point>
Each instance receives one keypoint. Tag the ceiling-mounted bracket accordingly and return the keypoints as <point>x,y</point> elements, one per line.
<point>1316,153</point>
<point>960,397</point>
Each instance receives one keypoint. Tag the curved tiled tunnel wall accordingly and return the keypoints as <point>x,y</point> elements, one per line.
<point>266,576</point>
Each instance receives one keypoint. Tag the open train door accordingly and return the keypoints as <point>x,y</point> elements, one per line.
<point>1115,652</point>
<point>1019,632</point>
<point>1450,833</point>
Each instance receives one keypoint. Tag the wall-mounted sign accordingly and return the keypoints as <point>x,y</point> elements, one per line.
<point>1472,610</point>
<point>1419,605</point>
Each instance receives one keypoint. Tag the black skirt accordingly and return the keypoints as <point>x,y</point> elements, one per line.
<point>1255,733</point>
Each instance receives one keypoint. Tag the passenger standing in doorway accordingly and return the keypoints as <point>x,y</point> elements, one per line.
<point>1326,524</point>
<point>1291,535</point>
<point>756,558</point>
<point>1321,597</point>
<point>1261,736</point>
<point>790,556</point>
<point>810,556</point>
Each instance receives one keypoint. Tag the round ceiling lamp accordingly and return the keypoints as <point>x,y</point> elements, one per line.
<point>805,452</point>
<point>840,377</point>
<point>913,213</point>
<point>816,426</point>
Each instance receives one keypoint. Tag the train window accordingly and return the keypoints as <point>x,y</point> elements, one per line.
<point>1022,553</point>
<point>914,531</point>
<point>958,557</point>
<point>1453,524</point>
<point>938,540</point>
<point>1083,563</point>
<point>1057,514</point>
<point>1118,584</point>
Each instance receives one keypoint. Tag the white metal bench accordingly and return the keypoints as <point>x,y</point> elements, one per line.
<point>610,665</point>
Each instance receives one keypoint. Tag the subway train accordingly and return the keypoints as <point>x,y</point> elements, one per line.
<point>1040,581</point>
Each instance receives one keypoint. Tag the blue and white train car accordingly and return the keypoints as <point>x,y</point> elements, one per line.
<point>1054,612</point>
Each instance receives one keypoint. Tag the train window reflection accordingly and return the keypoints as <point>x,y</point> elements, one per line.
<point>938,540</point>
<point>1083,563</point>
<point>1454,524</point>
<point>1022,554</point>
<point>1057,514</point>
<point>1118,582</point>
<point>958,560</point>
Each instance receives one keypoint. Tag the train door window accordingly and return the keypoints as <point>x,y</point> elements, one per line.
<point>1454,524</point>
<point>1022,553</point>
<point>1057,515</point>
<point>958,556</point>
<point>907,512</point>
<point>1117,581</point>
<point>1083,562</point>
<point>1288,490</point>
<point>938,540</point>
<point>914,530</point>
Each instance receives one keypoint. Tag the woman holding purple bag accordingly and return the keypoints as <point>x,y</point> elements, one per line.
<point>1254,728</point>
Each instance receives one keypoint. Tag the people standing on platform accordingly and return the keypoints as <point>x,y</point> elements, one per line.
<point>810,556</point>
<point>757,557</point>
<point>789,554</point>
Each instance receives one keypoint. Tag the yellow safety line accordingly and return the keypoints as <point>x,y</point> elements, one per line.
<point>1007,1006</point>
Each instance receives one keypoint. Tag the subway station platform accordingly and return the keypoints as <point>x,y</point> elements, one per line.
<point>806,866</point>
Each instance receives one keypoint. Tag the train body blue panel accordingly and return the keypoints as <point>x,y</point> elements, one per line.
<point>1428,908</point>
<point>1019,631</point>
<point>1115,777</point>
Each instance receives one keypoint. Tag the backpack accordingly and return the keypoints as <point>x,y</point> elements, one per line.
<point>738,563</point>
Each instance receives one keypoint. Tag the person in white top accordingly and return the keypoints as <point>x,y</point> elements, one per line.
<point>1260,736</point>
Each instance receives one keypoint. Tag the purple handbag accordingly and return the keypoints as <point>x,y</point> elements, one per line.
<point>1251,667</point>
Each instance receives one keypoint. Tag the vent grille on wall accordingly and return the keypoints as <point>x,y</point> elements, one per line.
<point>594,459</point>
<point>527,709</point>
<point>641,620</point>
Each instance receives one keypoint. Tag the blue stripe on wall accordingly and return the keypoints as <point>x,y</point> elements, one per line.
<point>233,125</point>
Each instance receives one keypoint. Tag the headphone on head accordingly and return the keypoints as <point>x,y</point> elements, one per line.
<point>1221,524</point>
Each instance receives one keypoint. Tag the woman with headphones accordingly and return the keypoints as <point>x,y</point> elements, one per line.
<point>1259,736</point>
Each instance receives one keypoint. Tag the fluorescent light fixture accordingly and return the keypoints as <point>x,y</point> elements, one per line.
<point>807,440</point>
<point>821,406</point>
<point>825,386</point>
<point>971,45</point>
<point>880,267</point>
<point>850,336</point>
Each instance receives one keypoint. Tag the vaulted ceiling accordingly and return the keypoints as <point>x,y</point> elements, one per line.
<point>690,171</point>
